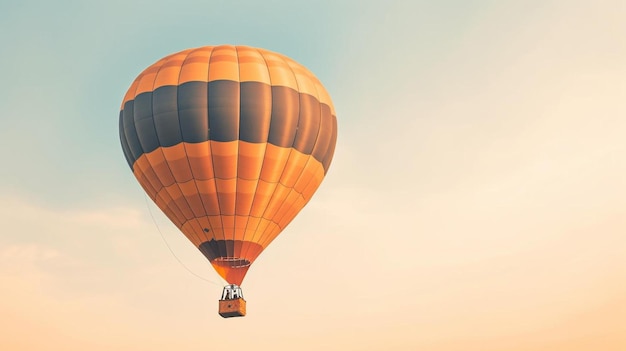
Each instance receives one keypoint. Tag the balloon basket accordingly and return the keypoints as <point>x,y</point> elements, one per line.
<point>232,303</point>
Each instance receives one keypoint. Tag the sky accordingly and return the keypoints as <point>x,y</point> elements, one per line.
<point>476,200</point>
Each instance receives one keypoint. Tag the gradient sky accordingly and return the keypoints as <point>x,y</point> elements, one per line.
<point>483,140</point>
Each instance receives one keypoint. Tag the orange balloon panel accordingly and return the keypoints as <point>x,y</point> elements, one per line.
<point>230,142</point>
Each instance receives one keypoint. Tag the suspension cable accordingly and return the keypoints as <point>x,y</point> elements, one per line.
<point>170,249</point>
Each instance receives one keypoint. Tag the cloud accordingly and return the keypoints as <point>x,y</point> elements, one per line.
<point>87,279</point>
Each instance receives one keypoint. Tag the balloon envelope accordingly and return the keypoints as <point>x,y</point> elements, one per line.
<point>230,142</point>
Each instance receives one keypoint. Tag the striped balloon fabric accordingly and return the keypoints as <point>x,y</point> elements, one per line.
<point>230,142</point>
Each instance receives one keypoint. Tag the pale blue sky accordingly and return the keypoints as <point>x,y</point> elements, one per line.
<point>68,64</point>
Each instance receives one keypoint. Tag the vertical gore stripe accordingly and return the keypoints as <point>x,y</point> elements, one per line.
<point>165,111</point>
<point>328,157</point>
<point>285,114</point>
<point>308,125</point>
<point>127,154</point>
<point>192,109</point>
<point>326,124</point>
<point>256,109</point>
<point>223,108</point>
<point>131,132</point>
<point>144,122</point>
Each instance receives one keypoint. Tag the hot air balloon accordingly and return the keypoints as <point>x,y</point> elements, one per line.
<point>230,142</point>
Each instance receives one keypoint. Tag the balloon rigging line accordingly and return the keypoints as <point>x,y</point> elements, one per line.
<point>169,248</point>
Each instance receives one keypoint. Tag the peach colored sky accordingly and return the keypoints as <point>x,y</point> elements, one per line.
<point>476,202</point>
